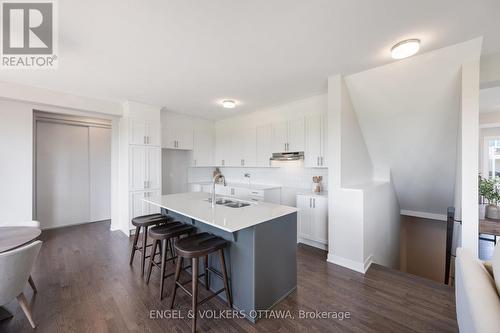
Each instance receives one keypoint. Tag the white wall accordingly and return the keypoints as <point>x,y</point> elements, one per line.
<point>382,225</point>
<point>174,168</point>
<point>489,119</point>
<point>356,164</point>
<point>16,165</point>
<point>363,213</point>
<point>17,103</point>
<point>490,70</point>
<point>408,112</point>
<point>345,205</point>
<point>469,132</point>
<point>291,176</point>
<point>50,98</point>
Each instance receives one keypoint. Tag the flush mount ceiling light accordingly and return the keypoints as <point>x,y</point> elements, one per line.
<point>405,49</point>
<point>228,104</point>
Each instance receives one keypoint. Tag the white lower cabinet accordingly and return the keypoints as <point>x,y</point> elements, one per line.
<point>312,220</point>
<point>139,207</point>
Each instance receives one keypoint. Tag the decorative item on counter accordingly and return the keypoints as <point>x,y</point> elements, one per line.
<point>217,172</point>
<point>317,184</point>
<point>489,189</point>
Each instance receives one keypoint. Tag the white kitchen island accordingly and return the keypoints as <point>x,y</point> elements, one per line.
<point>262,265</point>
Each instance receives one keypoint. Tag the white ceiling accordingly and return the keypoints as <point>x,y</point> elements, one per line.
<point>489,100</point>
<point>187,55</point>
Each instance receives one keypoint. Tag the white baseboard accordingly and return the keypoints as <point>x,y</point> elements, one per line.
<point>312,243</point>
<point>368,262</point>
<point>351,264</point>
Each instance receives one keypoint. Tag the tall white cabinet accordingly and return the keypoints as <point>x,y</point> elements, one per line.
<point>312,220</point>
<point>140,160</point>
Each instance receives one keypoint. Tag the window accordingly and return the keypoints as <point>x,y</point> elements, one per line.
<point>491,161</point>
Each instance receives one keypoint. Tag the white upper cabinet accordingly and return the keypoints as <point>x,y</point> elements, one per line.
<point>223,147</point>
<point>203,147</point>
<point>175,137</point>
<point>177,131</point>
<point>236,147</point>
<point>316,138</point>
<point>137,131</point>
<point>144,132</point>
<point>288,136</point>
<point>296,135</point>
<point>153,133</point>
<point>280,136</point>
<point>264,149</point>
<point>244,148</point>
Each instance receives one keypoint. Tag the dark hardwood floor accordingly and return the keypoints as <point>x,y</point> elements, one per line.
<point>86,285</point>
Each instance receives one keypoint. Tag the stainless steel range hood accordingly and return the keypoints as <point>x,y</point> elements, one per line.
<point>291,156</point>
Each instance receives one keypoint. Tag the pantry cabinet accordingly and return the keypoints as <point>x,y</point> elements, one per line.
<point>139,207</point>
<point>145,167</point>
<point>144,132</point>
<point>316,141</point>
<point>140,128</point>
<point>312,220</point>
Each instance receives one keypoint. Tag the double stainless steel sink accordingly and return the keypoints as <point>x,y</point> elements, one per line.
<point>230,202</point>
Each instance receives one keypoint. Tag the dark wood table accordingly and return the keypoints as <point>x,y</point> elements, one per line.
<point>489,226</point>
<point>11,238</point>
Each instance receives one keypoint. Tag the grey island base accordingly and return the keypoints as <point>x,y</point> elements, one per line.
<point>261,258</point>
<point>261,262</point>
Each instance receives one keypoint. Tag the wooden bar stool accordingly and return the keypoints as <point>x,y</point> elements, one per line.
<point>165,235</point>
<point>145,221</point>
<point>194,247</point>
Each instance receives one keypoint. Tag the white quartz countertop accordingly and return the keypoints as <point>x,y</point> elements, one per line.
<point>242,185</point>
<point>196,206</point>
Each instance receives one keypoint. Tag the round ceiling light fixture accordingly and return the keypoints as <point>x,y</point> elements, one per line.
<point>405,48</point>
<point>228,104</point>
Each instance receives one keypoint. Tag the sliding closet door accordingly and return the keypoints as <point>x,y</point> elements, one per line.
<point>100,173</point>
<point>62,174</point>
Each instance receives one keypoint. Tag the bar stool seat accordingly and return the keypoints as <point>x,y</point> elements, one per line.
<point>194,247</point>
<point>151,219</point>
<point>165,234</point>
<point>170,230</point>
<point>199,245</point>
<point>144,222</point>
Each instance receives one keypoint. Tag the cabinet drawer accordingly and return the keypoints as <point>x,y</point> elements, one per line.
<point>255,198</point>
<point>256,193</point>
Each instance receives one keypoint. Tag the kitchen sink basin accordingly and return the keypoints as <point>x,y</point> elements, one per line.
<point>229,203</point>
<point>237,204</point>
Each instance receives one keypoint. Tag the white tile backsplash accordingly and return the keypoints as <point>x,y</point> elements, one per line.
<point>291,176</point>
